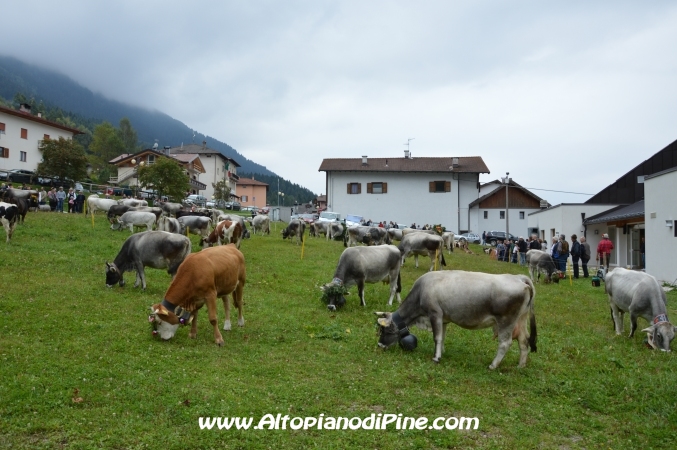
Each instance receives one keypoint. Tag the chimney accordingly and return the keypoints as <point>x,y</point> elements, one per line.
<point>25,108</point>
<point>40,115</point>
<point>204,145</point>
<point>364,160</point>
<point>454,162</point>
<point>167,147</point>
<point>406,154</point>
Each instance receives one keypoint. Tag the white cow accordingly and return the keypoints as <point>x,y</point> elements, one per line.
<point>136,218</point>
<point>169,224</point>
<point>423,244</point>
<point>261,223</point>
<point>132,202</point>
<point>94,204</point>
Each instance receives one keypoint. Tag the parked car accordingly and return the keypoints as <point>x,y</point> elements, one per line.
<point>234,206</point>
<point>494,236</point>
<point>328,216</point>
<point>196,199</point>
<point>471,238</point>
<point>18,176</point>
<point>308,218</point>
<point>264,210</point>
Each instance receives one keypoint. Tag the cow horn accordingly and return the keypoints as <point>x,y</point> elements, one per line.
<point>380,314</point>
<point>384,322</point>
<point>648,330</point>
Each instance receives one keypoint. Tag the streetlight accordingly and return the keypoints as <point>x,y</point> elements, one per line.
<point>507,181</point>
<point>278,198</point>
<point>136,173</point>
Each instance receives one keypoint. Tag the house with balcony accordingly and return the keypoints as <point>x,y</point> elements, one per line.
<point>22,133</point>
<point>128,167</point>
<point>216,165</point>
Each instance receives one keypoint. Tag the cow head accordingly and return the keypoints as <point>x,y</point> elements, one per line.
<point>390,332</point>
<point>660,335</point>
<point>334,294</point>
<point>164,322</point>
<point>113,275</point>
<point>285,233</point>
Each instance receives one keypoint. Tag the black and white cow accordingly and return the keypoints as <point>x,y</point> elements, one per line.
<point>295,229</point>
<point>639,294</point>
<point>541,262</point>
<point>365,235</point>
<point>199,225</point>
<point>423,244</point>
<point>359,265</point>
<point>156,249</point>
<point>116,211</point>
<point>9,216</point>
<point>472,300</point>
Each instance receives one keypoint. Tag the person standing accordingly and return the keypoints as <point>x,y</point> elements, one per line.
<point>534,244</point>
<point>71,200</point>
<point>575,253</point>
<point>42,196</point>
<point>604,249</point>
<point>563,249</point>
<point>79,202</point>
<point>500,251</point>
<point>585,256</point>
<point>51,195</point>
<point>523,248</point>
<point>484,237</point>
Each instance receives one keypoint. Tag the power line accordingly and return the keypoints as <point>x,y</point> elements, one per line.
<point>551,190</point>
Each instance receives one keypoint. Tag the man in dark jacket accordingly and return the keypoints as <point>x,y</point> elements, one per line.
<point>523,248</point>
<point>575,253</point>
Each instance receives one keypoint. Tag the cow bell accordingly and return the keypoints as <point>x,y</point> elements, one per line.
<point>408,342</point>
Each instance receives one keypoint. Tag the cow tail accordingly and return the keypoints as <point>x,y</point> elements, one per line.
<point>442,261</point>
<point>399,284</point>
<point>533,335</point>
<point>345,239</point>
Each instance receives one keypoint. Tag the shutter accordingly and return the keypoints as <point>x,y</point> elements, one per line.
<point>359,188</point>
<point>447,186</point>
<point>2,126</point>
<point>431,186</point>
<point>349,188</point>
<point>385,188</point>
<point>24,133</point>
<point>369,188</point>
<point>5,152</point>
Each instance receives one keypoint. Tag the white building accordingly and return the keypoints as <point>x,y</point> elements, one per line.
<point>567,219</point>
<point>405,190</point>
<point>21,134</point>
<point>488,212</point>
<point>660,205</point>
<point>217,167</point>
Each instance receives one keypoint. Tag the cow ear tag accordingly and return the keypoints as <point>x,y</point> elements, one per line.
<point>383,322</point>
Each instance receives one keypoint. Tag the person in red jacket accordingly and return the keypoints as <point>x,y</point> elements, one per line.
<point>604,250</point>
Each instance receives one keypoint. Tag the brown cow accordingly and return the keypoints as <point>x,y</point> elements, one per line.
<point>225,231</point>
<point>201,278</point>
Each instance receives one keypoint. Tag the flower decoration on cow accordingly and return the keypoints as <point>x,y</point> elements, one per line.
<point>335,291</point>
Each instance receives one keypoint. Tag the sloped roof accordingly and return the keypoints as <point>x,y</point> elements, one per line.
<point>466,164</point>
<point>29,116</point>
<point>200,150</point>
<point>499,187</point>
<point>184,159</point>
<point>623,212</point>
<point>250,182</point>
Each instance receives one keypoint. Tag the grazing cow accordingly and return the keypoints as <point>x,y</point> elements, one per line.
<point>336,229</point>
<point>296,228</point>
<point>170,208</point>
<point>449,241</point>
<point>359,265</point>
<point>639,294</point>
<point>201,278</point>
<point>185,213</point>
<point>9,215</point>
<point>94,204</point>
<point>138,218</point>
<point>227,232</point>
<point>365,235</point>
<point>423,244</point>
<point>22,208</point>
<point>116,211</point>
<point>151,209</point>
<point>472,300</point>
<point>261,222</point>
<point>541,262</point>
<point>199,225</point>
<point>319,227</point>
<point>132,202</point>
<point>33,203</point>
<point>169,224</point>
<point>395,234</point>
<point>236,218</point>
<point>156,249</point>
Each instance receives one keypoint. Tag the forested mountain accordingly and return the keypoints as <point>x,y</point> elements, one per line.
<point>55,90</point>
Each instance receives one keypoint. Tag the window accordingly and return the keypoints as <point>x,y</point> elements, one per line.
<point>377,188</point>
<point>253,199</point>
<point>151,159</point>
<point>4,152</point>
<point>439,186</point>
<point>354,188</point>
<point>22,156</point>
<point>521,214</point>
<point>2,128</point>
<point>46,137</point>
<point>486,214</point>
<point>24,133</point>
<point>243,198</point>
<point>502,214</point>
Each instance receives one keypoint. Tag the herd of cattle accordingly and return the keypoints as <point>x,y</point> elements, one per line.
<point>471,300</point>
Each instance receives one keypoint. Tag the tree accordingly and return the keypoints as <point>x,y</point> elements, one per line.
<point>106,143</point>
<point>221,191</point>
<point>63,158</point>
<point>166,177</point>
<point>128,136</point>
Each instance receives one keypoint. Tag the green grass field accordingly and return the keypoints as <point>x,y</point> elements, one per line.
<point>80,369</point>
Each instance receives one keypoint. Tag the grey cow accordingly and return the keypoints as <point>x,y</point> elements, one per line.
<point>359,265</point>
<point>423,244</point>
<point>472,300</point>
<point>639,294</point>
<point>156,249</point>
<point>541,262</point>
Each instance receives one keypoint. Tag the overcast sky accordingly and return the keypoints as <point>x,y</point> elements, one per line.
<point>566,96</point>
